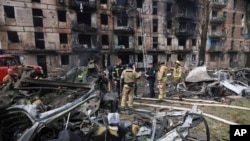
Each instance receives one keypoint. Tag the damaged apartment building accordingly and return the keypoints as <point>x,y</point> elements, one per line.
<point>66,33</point>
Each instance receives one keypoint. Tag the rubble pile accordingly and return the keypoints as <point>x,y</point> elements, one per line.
<point>78,107</point>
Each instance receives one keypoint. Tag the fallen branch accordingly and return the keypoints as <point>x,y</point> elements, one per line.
<point>199,104</point>
<point>186,109</point>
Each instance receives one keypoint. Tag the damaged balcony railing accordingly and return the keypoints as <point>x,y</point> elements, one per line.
<point>83,5</point>
<point>217,19</point>
<point>218,3</point>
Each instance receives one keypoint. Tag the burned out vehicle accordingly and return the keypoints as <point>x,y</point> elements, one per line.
<point>212,85</point>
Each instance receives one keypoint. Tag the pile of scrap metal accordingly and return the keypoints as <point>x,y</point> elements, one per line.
<point>199,83</point>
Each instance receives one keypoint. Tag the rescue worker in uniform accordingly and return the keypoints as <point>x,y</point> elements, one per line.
<point>11,77</point>
<point>162,79</point>
<point>177,73</point>
<point>150,74</point>
<point>116,75</point>
<point>129,78</point>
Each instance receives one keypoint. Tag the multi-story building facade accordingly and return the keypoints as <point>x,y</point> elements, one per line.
<point>65,33</point>
<point>226,42</point>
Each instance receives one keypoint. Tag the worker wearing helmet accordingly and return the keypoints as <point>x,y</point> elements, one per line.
<point>162,79</point>
<point>177,74</point>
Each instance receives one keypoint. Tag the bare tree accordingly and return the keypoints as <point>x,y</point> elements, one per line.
<point>204,29</point>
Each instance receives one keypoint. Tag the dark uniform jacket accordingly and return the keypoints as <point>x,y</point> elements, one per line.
<point>151,74</point>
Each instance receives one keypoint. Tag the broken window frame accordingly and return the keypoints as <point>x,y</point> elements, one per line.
<point>84,39</point>
<point>140,38</point>
<point>105,40</point>
<point>123,40</point>
<point>169,41</point>
<point>64,59</point>
<point>37,17</point>
<point>155,7</point>
<point>103,1</point>
<point>86,20</point>
<point>169,7</point>
<point>104,19</point>
<point>194,42</point>
<point>63,37</point>
<point>169,24</point>
<point>139,3</point>
<point>155,43</point>
<point>61,14</point>
<point>122,19</point>
<point>13,37</point>
<point>140,57</point>
<point>155,25</point>
<point>9,11</point>
<point>39,40</point>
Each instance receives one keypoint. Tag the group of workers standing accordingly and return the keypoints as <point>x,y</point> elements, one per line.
<point>124,80</point>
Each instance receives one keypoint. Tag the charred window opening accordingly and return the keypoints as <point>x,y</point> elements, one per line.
<point>139,40</point>
<point>85,40</point>
<point>103,1</point>
<point>168,57</point>
<point>155,25</point>
<point>64,59</point>
<point>182,42</point>
<point>35,1</point>
<point>122,19</point>
<point>155,42</point>
<point>235,3</point>
<point>233,29</point>
<point>234,16</point>
<point>193,57</point>
<point>104,19</point>
<point>37,17</point>
<point>214,28</point>
<point>194,42</point>
<point>140,57</point>
<point>138,21</point>
<point>181,57</point>
<point>182,10</point>
<point>61,16</point>
<point>214,13</point>
<point>183,26</point>
<point>224,14</point>
<point>63,38</point>
<point>155,6</point>
<point>232,45</point>
<point>139,3</point>
<point>105,40</point>
<point>155,60</point>
<point>212,57</point>
<point>169,24</point>
<point>13,37</point>
<point>9,11</point>
<point>169,7</point>
<point>84,18</point>
<point>169,41</point>
<point>122,2</point>
<point>123,41</point>
<point>39,40</point>
<point>124,58</point>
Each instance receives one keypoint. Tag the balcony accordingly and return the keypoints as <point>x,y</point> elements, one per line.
<point>215,49</point>
<point>123,48</point>
<point>83,28</point>
<point>40,51</point>
<point>217,34</point>
<point>183,16</point>
<point>183,32</point>
<point>218,4</point>
<point>155,50</point>
<point>218,19</point>
<point>181,49</point>
<point>124,30</point>
<point>83,6</point>
<point>84,48</point>
<point>233,50</point>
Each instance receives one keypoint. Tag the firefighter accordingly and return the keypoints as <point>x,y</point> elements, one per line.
<point>116,75</point>
<point>11,77</point>
<point>129,78</point>
<point>162,79</point>
<point>177,73</point>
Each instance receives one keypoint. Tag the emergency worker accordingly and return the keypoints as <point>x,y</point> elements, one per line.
<point>150,74</point>
<point>116,75</point>
<point>129,78</point>
<point>177,73</point>
<point>11,77</point>
<point>162,79</point>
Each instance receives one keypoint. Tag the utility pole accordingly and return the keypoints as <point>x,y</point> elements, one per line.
<point>204,29</point>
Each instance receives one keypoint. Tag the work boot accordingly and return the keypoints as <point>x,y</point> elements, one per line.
<point>160,96</point>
